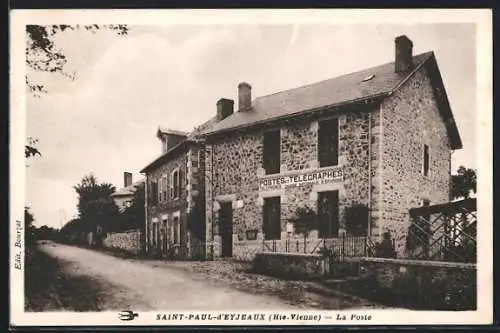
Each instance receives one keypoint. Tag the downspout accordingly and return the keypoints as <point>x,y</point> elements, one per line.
<point>369,231</point>
<point>146,233</point>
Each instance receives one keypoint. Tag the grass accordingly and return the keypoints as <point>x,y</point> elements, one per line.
<point>49,288</point>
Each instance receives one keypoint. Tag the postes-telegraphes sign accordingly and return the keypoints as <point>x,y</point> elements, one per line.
<point>300,178</point>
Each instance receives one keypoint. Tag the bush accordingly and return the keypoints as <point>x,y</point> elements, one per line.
<point>385,249</point>
<point>356,219</point>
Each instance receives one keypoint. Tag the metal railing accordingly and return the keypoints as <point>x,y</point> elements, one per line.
<point>343,246</point>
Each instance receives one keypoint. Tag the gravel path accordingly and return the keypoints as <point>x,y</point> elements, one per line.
<point>146,285</point>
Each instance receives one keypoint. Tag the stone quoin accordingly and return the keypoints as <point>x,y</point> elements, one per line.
<point>381,137</point>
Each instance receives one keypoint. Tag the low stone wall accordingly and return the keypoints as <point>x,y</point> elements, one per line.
<point>419,284</point>
<point>128,241</point>
<point>289,265</point>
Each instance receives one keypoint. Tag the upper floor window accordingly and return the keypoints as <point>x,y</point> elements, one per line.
<point>328,142</point>
<point>164,186</point>
<point>175,187</point>
<point>154,192</point>
<point>160,189</point>
<point>272,151</point>
<point>195,162</point>
<point>426,160</point>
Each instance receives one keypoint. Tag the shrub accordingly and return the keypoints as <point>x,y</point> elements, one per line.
<point>385,249</point>
<point>356,219</point>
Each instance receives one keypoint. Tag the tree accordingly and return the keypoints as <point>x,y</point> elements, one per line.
<point>463,183</point>
<point>304,221</point>
<point>42,55</point>
<point>95,206</point>
<point>28,227</point>
<point>133,217</point>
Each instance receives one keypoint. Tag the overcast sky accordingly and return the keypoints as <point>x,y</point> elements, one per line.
<point>105,121</point>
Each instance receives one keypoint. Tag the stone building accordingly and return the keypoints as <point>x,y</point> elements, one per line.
<point>123,197</point>
<point>175,193</point>
<point>381,138</point>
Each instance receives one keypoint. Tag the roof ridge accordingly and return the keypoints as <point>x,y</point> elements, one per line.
<point>335,77</point>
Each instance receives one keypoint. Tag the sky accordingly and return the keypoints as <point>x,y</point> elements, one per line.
<point>104,122</point>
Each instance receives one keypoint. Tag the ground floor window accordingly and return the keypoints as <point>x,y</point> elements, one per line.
<point>328,214</point>
<point>176,230</point>
<point>272,218</point>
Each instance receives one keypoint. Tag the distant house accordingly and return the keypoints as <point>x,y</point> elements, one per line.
<point>123,197</point>
<point>175,193</point>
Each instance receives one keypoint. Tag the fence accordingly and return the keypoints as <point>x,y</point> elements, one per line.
<point>340,247</point>
<point>444,232</point>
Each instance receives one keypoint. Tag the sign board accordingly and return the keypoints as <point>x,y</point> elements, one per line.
<point>300,178</point>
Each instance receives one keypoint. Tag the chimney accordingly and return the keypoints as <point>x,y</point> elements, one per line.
<point>404,54</point>
<point>225,108</point>
<point>244,96</point>
<point>127,179</point>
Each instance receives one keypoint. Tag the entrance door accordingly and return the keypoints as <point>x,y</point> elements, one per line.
<point>328,213</point>
<point>226,228</point>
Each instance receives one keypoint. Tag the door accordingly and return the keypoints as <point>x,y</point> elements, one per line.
<point>271,218</point>
<point>328,213</point>
<point>226,228</point>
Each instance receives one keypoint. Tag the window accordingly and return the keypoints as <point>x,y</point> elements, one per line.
<point>272,218</point>
<point>272,152</point>
<point>328,142</point>
<point>176,230</point>
<point>328,214</point>
<point>164,187</point>
<point>426,160</point>
<point>175,187</point>
<point>153,192</point>
<point>195,161</point>
<point>160,190</point>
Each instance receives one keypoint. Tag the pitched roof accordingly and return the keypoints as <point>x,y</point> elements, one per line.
<point>365,84</point>
<point>128,190</point>
<point>165,130</point>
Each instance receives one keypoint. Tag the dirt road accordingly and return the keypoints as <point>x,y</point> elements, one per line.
<point>131,284</point>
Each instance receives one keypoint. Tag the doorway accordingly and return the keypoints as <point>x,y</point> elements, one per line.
<point>328,213</point>
<point>226,228</point>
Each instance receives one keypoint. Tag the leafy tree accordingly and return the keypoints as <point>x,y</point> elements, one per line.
<point>28,227</point>
<point>42,55</point>
<point>304,221</point>
<point>95,206</point>
<point>463,183</point>
<point>133,217</point>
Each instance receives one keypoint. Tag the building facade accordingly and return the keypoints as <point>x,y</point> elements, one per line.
<point>124,196</point>
<point>381,138</point>
<point>175,191</point>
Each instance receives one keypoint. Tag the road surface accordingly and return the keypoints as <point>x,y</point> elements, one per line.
<point>131,284</point>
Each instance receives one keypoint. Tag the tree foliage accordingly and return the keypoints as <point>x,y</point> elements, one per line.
<point>95,206</point>
<point>356,219</point>
<point>133,217</point>
<point>464,183</point>
<point>28,227</point>
<point>42,55</point>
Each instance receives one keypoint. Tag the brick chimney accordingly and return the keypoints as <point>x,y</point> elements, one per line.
<point>127,179</point>
<point>244,96</point>
<point>225,108</point>
<point>404,54</point>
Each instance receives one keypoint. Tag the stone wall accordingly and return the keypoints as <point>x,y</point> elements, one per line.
<point>410,119</point>
<point>128,241</point>
<point>418,283</point>
<point>237,165</point>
